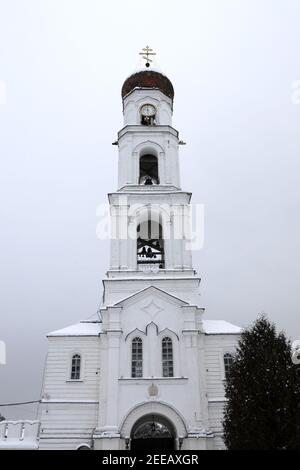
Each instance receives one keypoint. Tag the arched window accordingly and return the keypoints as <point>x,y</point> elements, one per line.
<point>228,360</point>
<point>148,170</point>
<point>75,367</point>
<point>150,246</point>
<point>137,358</point>
<point>83,447</point>
<point>167,357</point>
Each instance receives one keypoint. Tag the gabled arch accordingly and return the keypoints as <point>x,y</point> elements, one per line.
<point>150,324</point>
<point>147,99</point>
<point>133,333</point>
<point>139,102</point>
<point>168,332</point>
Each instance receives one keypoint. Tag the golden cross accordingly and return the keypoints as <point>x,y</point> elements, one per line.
<point>147,51</point>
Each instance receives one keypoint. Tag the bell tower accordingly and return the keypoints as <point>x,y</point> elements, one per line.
<point>147,372</point>
<point>150,213</point>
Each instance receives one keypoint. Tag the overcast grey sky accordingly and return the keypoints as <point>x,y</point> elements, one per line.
<point>233,64</point>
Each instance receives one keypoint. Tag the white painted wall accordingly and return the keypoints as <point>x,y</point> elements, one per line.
<point>72,411</point>
<point>138,97</point>
<point>161,141</point>
<point>69,409</point>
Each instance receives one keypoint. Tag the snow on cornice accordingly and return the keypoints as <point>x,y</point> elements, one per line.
<point>83,328</point>
<point>220,327</point>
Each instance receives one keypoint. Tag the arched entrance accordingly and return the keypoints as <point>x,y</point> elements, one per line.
<point>169,421</point>
<point>153,432</point>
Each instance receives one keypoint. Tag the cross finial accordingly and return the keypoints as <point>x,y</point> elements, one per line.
<point>146,52</point>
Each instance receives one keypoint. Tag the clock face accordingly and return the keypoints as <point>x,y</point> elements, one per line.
<point>148,110</point>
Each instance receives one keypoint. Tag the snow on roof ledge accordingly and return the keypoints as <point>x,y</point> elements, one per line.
<point>210,327</point>
<point>220,327</point>
<point>83,328</point>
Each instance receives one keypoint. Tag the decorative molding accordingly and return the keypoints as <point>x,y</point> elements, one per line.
<point>217,400</point>
<point>133,332</point>
<point>148,143</point>
<point>153,407</point>
<point>152,309</point>
<point>167,331</point>
<point>150,324</point>
<point>86,402</point>
<point>153,390</point>
<point>152,379</point>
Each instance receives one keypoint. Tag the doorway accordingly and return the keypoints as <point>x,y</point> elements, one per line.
<point>153,433</point>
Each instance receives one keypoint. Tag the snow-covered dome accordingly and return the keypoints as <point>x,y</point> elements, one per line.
<point>148,78</point>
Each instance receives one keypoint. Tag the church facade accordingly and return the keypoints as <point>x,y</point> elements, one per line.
<point>148,373</point>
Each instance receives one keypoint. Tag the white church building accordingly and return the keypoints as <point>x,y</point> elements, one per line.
<point>149,371</point>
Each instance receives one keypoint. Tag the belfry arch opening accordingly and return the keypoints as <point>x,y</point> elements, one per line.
<point>150,246</point>
<point>153,432</point>
<point>148,170</point>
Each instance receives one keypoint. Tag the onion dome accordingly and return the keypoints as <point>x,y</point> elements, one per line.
<point>151,79</point>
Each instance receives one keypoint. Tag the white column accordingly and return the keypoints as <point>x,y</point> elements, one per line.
<point>132,245</point>
<point>135,168</point>
<point>168,244</point>
<point>162,168</point>
<point>113,345</point>
<point>177,237</point>
<point>153,347</point>
<point>203,402</point>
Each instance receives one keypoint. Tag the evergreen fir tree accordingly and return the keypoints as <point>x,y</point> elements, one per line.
<point>263,392</point>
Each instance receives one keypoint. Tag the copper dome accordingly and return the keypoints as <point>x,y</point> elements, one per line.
<point>148,79</point>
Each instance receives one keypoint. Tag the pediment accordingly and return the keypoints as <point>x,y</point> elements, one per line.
<point>155,293</point>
